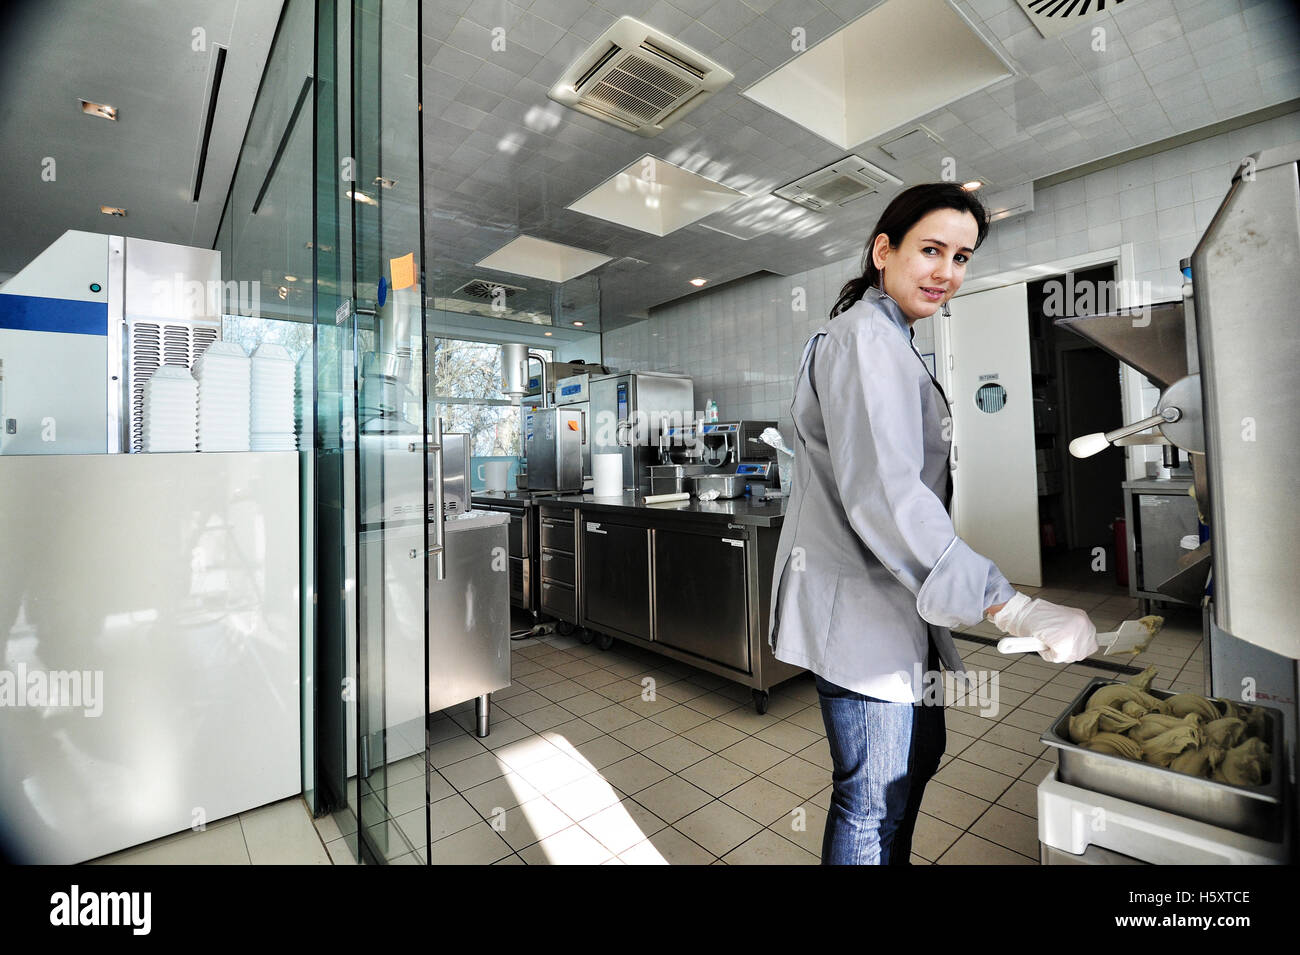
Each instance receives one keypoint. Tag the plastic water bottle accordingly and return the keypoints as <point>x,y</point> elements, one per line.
<point>713,411</point>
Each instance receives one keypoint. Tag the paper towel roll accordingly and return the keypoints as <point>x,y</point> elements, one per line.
<point>607,475</point>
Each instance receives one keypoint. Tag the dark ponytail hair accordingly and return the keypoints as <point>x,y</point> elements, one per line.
<point>904,211</point>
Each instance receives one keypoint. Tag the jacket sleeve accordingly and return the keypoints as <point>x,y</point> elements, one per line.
<point>871,407</point>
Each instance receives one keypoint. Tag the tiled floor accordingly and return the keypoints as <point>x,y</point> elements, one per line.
<point>279,834</point>
<point>584,766</point>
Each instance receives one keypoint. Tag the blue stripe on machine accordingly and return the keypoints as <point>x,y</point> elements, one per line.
<point>35,314</point>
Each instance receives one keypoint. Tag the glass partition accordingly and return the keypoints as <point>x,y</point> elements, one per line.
<point>372,448</point>
<point>266,270</point>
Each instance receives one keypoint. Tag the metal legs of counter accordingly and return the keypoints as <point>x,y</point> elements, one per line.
<point>157,597</point>
<point>483,715</point>
<point>692,590</point>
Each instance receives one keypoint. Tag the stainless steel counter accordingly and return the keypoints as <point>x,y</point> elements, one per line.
<point>690,580</point>
<point>768,512</point>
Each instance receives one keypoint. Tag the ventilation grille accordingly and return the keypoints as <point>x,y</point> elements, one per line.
<point>151,345</point>
<point>837,184</point>
<point>638,88</point>
<point>1053,17</point>
<point>486,291</point>
<point>638,79</point>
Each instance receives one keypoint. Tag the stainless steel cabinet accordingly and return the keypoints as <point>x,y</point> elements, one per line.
<point>557,563</point>
<point>701,594</point>
<point>469,614</point>
<point>1158,513</point>
<point>616,578</point>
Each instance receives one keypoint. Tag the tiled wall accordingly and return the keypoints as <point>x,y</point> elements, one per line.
<point>741,343</point>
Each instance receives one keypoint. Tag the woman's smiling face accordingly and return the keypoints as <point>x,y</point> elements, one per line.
<point>929,265</point>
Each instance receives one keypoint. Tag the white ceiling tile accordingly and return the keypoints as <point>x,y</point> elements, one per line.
<point>1151,35</point>
<point>536,33</point>
<point>1193,16</point>
<point>1216,33</point>
<point>563,13</point>
<point>727,16</point>
<point>494,14</point>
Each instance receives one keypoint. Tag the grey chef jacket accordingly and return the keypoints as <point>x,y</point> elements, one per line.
<point>868,568</point>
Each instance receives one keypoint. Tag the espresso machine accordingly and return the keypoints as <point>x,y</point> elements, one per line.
<point>724,455</point>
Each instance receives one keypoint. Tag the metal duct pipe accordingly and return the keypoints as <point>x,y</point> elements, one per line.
<point>514,370</point>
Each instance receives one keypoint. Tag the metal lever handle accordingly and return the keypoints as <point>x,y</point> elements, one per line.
<point>438,550</point>
<point>1089,444</point>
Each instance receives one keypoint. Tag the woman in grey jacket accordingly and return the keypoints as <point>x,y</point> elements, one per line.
<point>869,572</point>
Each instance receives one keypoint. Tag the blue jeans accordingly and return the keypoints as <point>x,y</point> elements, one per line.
<point>884,754</point>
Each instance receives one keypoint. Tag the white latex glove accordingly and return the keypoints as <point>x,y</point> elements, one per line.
<point>1068,635</point>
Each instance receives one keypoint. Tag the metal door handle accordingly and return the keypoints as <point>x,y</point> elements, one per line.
<point>438,551</point>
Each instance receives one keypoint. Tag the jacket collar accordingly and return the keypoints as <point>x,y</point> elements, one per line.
<point>877,297</point>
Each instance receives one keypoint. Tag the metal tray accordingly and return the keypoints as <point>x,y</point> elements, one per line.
<point>1251,810</point>
<point>727,485</point>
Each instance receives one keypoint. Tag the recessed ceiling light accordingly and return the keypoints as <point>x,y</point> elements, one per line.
<point>385,183</point>
<point>102,110</point>
<point>580,324</point>
<point>113,211</point>
<point>972,185</point>
<point>291,278</point>
<point>698,281</point>
<point>361,197</point>
<point>547,334</point>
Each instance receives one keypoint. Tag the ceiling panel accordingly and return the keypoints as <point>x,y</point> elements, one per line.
<point>1165,69</point>
<point>144,58</point>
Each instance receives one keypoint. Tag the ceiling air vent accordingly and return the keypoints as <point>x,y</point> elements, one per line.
<point>1054,17</point>
<point>638,79</point>
<point>486,291</point>
<point>1009,203</point>
<point>837,184</point>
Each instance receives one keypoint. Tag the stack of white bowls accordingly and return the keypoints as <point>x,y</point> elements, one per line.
<point>272,400</point>
<point>301,386</point>
<point>170,410</point>
<point>224,376</point>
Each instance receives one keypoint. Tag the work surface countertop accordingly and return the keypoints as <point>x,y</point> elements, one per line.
<point>769,512</point>
<point>520,498</point>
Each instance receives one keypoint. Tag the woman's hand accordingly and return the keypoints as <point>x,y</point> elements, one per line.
<point>1066,632</point>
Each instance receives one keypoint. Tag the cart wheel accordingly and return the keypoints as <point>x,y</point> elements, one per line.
<point>563,628</point>
<point>761,700</point>
<point>586,636</point>
<point>605,641</point>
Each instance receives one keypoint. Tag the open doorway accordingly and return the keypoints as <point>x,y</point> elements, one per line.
<point>1076,390</point>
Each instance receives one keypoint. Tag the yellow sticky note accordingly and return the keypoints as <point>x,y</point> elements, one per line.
<point>403,269</point>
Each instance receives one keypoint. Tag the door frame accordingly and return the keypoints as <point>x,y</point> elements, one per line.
<point>1130,385</point>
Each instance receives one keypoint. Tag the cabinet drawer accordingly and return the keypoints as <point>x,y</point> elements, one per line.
<point>557,567</point>
<point>557,535</point>
<point>518,581</point>
<point>557,600</point>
